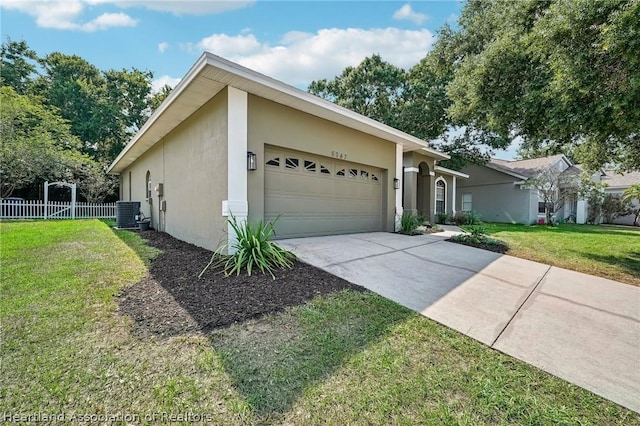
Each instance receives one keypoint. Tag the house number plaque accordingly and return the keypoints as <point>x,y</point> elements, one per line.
<point>340,155</point>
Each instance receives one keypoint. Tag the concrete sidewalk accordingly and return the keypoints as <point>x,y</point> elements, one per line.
<point>581,328</point>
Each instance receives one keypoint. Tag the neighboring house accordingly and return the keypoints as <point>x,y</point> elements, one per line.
<point>498,190</point>
<point>229,140</point>
<point>616,184</point>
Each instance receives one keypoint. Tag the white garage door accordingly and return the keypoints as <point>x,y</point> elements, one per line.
<point>320,195</point>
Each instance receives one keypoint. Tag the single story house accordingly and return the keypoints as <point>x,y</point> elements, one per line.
<point>229,140</point>
<point>498,190</point>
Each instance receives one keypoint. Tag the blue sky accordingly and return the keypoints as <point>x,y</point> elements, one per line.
<point>294,41</point>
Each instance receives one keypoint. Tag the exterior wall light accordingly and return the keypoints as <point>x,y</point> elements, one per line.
<point>252,162</point>
<point>396,183</point>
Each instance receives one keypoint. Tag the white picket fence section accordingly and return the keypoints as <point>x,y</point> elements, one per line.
<point>38,209</point>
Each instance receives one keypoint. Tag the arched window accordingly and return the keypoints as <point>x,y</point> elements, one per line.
<point>147,185</point>
<point>441,194</point>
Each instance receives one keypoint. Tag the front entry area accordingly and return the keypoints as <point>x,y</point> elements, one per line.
<point>317,195</point>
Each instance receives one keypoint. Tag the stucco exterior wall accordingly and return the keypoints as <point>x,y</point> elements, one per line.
<point>150,161</point>
<point>191,162</point>
<point>273,124</point>
<point>496,197</point>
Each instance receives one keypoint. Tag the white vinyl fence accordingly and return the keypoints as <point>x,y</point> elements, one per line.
<point>37,209</point>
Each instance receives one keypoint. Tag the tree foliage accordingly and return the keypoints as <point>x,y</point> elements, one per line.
<point>561,75</point>
<point>630,194</point>
<point>374,88</point>
<point>64,119</point>
<point>553,187</point>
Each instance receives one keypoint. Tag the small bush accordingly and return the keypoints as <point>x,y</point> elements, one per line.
<point>476,231</point>
<point>409,223</point>
<point>252,248</point>
<point>442,218</point>
<point>466,218</point>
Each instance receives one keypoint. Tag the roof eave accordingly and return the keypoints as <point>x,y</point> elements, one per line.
<point>509,173</point>
<point>315,106</point>
<point>446,171</point>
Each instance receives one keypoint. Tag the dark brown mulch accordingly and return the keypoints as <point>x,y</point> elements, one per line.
<point>496,248</point>
<point>171,300</point>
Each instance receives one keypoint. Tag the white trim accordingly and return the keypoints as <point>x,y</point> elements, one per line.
<point>236,160</point>
<point>435,194</point>
<point>411,170</point>
<point>398,192</point>
<point>432,173</point>
<point>453,193</point>
<point>446,171</point>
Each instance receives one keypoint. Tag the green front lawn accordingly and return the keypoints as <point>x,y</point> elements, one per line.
<point>606,251</point>
<point>351,358</point>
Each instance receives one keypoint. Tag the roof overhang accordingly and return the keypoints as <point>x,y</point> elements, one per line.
<point>445,171</point>
<point>506,172</point>
<point>211,74</point>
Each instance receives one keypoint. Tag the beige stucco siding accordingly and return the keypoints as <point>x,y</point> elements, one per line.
<point>150,161</point>
<point>279,126</point>
<point>191,162</point>
<point>496,197</point>
<point>196,176</point>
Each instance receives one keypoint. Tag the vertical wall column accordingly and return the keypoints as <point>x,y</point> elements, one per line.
<point>432,185</point>
<point>398,192</point>
<point>236,203</point>
<point>453,195</point>
<point>581,211</point>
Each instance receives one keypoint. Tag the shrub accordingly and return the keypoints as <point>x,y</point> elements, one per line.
<point>476,231</point>
<point>252,249</point>
<point>613,206</point>
<point>475,236</point>
<point>409,223</point>
<point>442,218</point>
<point>466,218</point>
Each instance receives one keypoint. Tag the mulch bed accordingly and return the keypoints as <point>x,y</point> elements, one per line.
<point>172,300</point>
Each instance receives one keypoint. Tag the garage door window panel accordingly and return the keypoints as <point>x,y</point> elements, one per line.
<point>274,162</point>
<point>310,166</point>
<point>291,163</point>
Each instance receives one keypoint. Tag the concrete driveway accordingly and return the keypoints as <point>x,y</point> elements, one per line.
<point>581,328</point>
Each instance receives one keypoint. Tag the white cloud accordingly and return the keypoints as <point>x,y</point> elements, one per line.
<point>107,20</point>
<point>406,12</point>
<point>300,57</point>
<point>160,82</point>
<point>224,45</point>
<point>65,15</point>
<point>163,46</point>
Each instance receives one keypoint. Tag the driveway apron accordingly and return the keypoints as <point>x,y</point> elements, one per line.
<point>581,328</point>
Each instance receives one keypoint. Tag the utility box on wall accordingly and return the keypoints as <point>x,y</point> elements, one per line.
<point>163,205</point>
<point>160,189</point>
